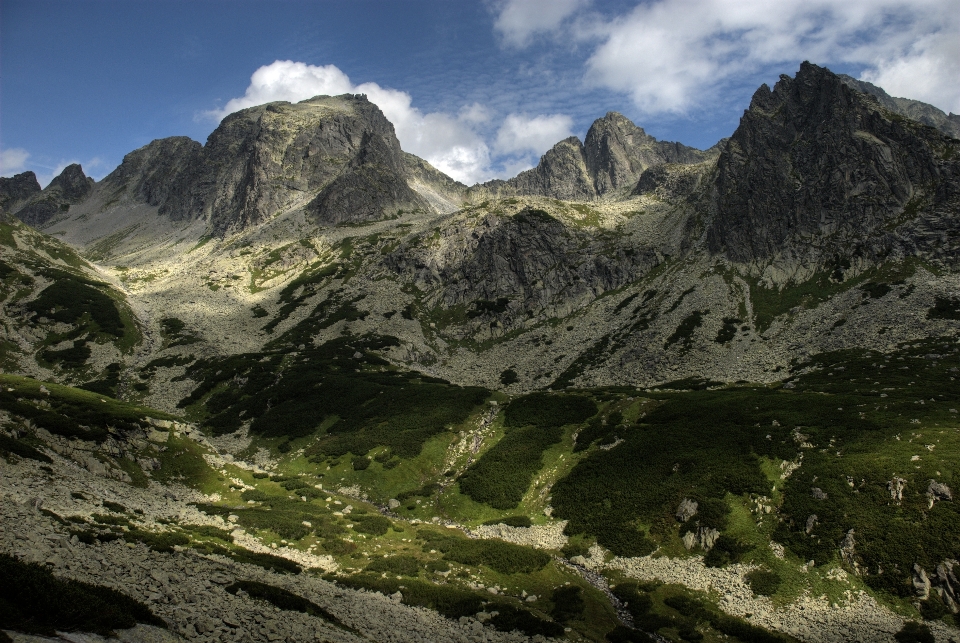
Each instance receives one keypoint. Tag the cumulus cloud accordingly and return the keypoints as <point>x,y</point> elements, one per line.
<point>13,160</point>
<point>519,20</point>
<point>673,55</point>
<point>521,134</point>
<point>450,143</point>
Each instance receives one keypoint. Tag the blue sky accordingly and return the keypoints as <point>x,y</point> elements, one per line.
<point>480,89</point>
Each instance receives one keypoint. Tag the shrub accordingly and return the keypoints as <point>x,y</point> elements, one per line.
<point>360,462</point>
<point>114,506</point>
<point>510,618</point>
<point>402,565</point>
<point>370,524</point>
<point>500,556</point>
<point>726,550</point>
<point>763,582</point>
<point>534,423</point>
<point>913,632</point>
<point>568,604</point>
<point>254,494</point>
<point>35,601</point>
<point>284,600</point>
<point>511,521</point>
<point>508,377</point>
<point>9,445</point>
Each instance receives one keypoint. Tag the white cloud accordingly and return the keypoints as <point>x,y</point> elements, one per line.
<point>13,160</point>
<point>928,72</point>
<point>519,20</point>
<point>448,142</point>
<point>673,55</point>
<point>521,134</point>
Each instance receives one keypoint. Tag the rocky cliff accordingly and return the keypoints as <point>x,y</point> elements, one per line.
<point>816,168</point>
<point>913,109</point>
<point>70,187</point>
<point>609,161</point>
<point>14,191</point>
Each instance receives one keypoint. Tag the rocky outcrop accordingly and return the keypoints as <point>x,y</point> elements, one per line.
<point>150,173</point>
<point>15,190</point>
<point>509,268</point>
<point>372,187</point>
<point>337,155</point>
<point>610,160</point>
<point>916,110</point>
<point>817,166</point>
<point>70,187</point>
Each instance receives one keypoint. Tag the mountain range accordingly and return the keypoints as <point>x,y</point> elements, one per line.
<point>299,300</point>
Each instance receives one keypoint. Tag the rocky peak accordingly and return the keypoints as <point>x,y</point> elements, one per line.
<point>919,111</point>
<point>70,187</point>
<point>72,183</point>
<point>269,158</point>
<point>611,159</point>
<point>17,189</point>
<point>772,188</point>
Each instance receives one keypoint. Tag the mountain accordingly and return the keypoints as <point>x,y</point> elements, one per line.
<point>610,160</point>
<point>915,110</point>
<point>297,383</point>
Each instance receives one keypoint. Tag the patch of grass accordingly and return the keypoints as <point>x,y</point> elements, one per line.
<point>402,565</point>
<point>10,446</point>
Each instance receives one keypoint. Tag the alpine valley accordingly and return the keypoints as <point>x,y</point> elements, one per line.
<point>296,384</point>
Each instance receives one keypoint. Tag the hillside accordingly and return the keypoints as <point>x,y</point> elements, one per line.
<point>640,390</point>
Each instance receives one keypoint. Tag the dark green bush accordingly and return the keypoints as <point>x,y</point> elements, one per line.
<point>725,551</point>
<point>69,298</point>
<point>763,582</point>
<point>10,446</point>
<point>511,521</point>
<point>501,556</point>
<point>534,423</point>
<point>370,524</point>
<point>360,462</point>
<point>933,608</point>
<point>158,541</point>
<point>114,506</point>
<point>510,618</point>
<point>254,494</point>
<point>33,600</point>
<point>913,632</point>
<point>568,604</point>
<point>284,600</point>
<point>508,377</point>
<point>402,565</point>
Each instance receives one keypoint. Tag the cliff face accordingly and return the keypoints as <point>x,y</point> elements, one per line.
<point>15,190</point>
<point>69,188</point>
<point>610,160</point>
<point>916,110</point>
<point>814,163</point>
<point>338,154</point>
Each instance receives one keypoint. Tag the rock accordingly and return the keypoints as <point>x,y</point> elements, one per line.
<point>686,510</point>
<point>70,187</point>
<point>895,487</point>
<point>14,191</point>
<point>921,583</point>
<point>937,491</point>
<point>811,523</point>
<point>818,493</point>
<point>393,503</point>
<point>848,551</point>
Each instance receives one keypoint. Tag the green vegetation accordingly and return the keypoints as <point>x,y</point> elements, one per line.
<point>284,600</point>
<point>568,604</point>
<point>684,332</point>
<point>10,446</point>
<point>511,521</point>
<point>361,403</point>
<point>534,422</point>
<point>500,556</point>
<point>68,411</point>
<point>70,299</point>
<point>32,600</point>
<point>763,582</point>
<point>944,308</point>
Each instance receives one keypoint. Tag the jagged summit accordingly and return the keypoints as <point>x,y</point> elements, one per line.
<point>70,187</point>
<point>15,190</point>
<point>816,166</point>
<point>609,161</point>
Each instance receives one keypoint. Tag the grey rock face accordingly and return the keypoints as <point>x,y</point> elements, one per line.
<point>814,163</point>
<point>521,265</point>
<point>686,510</point>
<point>339,154</point>
<point>611,158</point>
<point>917,110</point>
<point>70,187</point>
<point>149,173</point>
<point>372,187</point>
<point>17,189</point>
